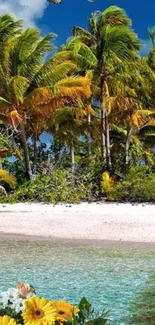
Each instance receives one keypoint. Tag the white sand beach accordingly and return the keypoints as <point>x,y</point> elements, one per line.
<point>112,222</point>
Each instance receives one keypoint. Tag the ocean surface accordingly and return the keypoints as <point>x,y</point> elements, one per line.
<point>109,274</point>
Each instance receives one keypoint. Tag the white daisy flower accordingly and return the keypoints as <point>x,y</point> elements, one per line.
<point>3,303</point>
<point>3,298</point>
<point>17,305</point>
<point>12,293</point>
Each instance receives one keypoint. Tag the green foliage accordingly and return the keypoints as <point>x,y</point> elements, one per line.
<point>11,313</point>
<point>87,315</point>
<point>86,185</point>
<point>9,146</point>
<point>3,141</point>
<point>143,308</point>
<point>61,186</point>
<point>15,168</point>
<point>138,186</point>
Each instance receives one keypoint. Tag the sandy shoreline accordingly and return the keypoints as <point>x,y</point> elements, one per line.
<point>107,222</point>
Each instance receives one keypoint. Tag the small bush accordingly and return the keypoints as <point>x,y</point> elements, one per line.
<point>139,186</point>
<point>61,186</point>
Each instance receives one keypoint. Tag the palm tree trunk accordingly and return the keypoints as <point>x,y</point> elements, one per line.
<point>89,135</point>
<point>127,144</point>
<point>35,154</point>
<point>108,153</point>
<point>3,190</point>
<point>103,127</point>
<point>26,153</point>
<point>73,158</point>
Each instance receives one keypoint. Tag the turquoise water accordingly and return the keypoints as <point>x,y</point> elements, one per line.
<point>110,275</point>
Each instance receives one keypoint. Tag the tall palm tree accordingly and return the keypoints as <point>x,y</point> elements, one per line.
<point>68,126</point>
<point>147,130</point>
<point>34,89</point>
<point>128,112</point>
<point>115,47</point>
<point>85,60</point>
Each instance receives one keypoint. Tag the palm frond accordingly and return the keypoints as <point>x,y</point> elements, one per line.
<point>33,62</point>
<point>73,87</point>
<point>18,87</point>
<point>118,129</point>
<point>80,49</point>
<point>62,56</point>
<point>39,96</point>
<point>114,16</point>
<point>8,27</point>
<point>65,124</point>
<point>24,46</point>
<point>151,32</point>
<point>79,31</point>
<point>140,116</point>
<point>5,106</point>
<point>121,41</point>
<point>51,72</point>
<point>147,129</point>
<point>5,177</point>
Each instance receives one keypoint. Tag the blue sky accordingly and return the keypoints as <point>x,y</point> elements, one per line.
<point>61,18</point>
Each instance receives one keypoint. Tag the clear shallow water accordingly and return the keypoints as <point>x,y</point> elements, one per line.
<point>108,274</point>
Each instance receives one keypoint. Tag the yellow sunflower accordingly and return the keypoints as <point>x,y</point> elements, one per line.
<point>38,311</point>
<point>6,320</point>
<point>64,310</point>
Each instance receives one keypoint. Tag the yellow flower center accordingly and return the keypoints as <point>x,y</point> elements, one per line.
<point>38,313</point>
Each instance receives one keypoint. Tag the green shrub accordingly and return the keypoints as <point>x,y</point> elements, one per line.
<point>61,186</point>
<point>139,186</point>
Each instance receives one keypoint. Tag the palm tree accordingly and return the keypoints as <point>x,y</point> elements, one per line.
<point>85,60</point>
<point>67,125</point>
<point>127,112</point>
<point>115,47</point>
<point>33,89</point>
<point>147,130</point>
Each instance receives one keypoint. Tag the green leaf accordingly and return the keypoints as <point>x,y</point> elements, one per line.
<point>85,305</point>
<point>98,321</point>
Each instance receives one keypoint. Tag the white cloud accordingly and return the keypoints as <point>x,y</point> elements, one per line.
<point>146,47</point>
<point>27,10</point>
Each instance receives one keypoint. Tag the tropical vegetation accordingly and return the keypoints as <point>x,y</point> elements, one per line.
<point>78,121</point>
